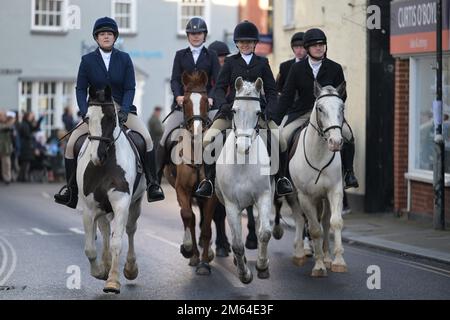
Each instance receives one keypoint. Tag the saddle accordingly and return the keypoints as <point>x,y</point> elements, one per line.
<point>137,143</point>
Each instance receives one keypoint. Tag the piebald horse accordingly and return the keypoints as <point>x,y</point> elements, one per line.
<point>240,181</point>
<point>315,169</point>
<point>107,173</point>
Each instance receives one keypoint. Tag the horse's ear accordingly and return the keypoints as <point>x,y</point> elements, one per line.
<point>203,78</point>
<point>185,77</point>
<point>317,89</point>
<point>108,93</point>
<point>238,84</point>
<point>259,84</point>
<point>342,88</point>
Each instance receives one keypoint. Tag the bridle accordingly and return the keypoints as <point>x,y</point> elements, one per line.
<point>321,133</point>
<point>318,127</point>
<point>109,141</point>
<point>205,120</point>
<point>256,127</point>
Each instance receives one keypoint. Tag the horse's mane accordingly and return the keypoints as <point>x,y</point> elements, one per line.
<point>195,81</point>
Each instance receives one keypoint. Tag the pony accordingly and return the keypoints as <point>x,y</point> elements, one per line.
<point>315,168</point>
<point>110,190</point>
<point>240,185</point>
<point>185,173</point>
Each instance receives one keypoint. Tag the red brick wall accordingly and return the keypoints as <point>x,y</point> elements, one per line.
<point>422,200</point>
<point>401,133</point>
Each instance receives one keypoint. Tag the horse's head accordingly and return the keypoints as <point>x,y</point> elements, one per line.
<point>329,114</point>
<point>102,123</point>
<point>247,110</point>
<point>195,105</point>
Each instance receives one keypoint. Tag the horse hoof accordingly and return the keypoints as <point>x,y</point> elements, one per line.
<point>221,252</point>
<point>263,274</point>
<point>340,268</point>
<point>319,273</point>
<point>187,254</point>
<point>328,264</point>
<point>299,261</point>
<point>194,261</point>
<point>277,232</point>
<point>211,255</point>
<point>251,244</point>
<point>308,253</point>
<point>203,269</point>
<point>246,279</point>
<point>112,287</point>
<point>132,273</point>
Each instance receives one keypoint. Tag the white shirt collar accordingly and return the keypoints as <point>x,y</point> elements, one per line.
<point>196,49</point>
<point>106,56</point>
<point>247,57</point>
<point>315,66</point>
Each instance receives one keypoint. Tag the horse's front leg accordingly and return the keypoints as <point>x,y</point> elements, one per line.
<point>315,230</point>
<point>188,248</point>
<point>264,233</point>
<point>299,257</point>
<point>105,229</point>
<point>208,209</point>
<point>234,220</point>
<point>120,204</point>
<point>335,198</point>
<point>130,270</point>
<point>90,249</point>
<point>326,233</point>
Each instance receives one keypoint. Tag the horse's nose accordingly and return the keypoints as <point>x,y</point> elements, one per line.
<point>335,144</point>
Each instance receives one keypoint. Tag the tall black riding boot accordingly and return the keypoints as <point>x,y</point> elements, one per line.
<point>206,187</point>
<point>154,191</point>
<point>70,195</point>
<point>283,186</point>
<point>347,156</point>
<point>161,161</point>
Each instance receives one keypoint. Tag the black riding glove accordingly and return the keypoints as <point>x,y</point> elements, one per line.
<point>123,117</point>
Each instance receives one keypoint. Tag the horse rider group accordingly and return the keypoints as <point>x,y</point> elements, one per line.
<point>292,94</point>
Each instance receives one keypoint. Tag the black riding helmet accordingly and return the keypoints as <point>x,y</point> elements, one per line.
<point>220,48</point>
<point>297,39</point>
<point>105,24</point>
<point>246,31</point>
<point>314,36</point>
<point>196,25</point>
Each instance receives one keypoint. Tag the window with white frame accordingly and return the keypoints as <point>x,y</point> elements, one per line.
<point>48,15</point>
<point>289,13</point>
<point>421,126</point>
<point>124,12</point>
<point>188,9</point>
<point>48,98</point>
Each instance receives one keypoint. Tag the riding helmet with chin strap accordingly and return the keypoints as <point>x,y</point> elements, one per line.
<point>105,24</point>
<point>315,36</point>
<point>196,25</point>
<point>246,31</point>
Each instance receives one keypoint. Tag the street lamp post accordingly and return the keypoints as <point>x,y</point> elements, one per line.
<point>438,173</point>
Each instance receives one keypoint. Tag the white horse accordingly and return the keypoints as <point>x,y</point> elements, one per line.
<point>239,180</point>
<point>316,172</point>
<point>106,175</point>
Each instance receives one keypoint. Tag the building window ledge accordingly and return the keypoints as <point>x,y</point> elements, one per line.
<point>425,177</point>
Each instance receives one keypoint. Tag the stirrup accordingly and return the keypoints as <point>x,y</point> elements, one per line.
<point>154,193</point>
<point>280,180</point>
<point>203,184</point>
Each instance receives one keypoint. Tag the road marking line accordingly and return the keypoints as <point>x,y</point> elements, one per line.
<point>4,258</point>
<point>41,232</point>
<point>28,233</point>
<point>227,274</point>
<point>76,230</point>
<point>14,262</point>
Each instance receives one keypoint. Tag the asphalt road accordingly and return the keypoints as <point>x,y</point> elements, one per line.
<point>42,243</point>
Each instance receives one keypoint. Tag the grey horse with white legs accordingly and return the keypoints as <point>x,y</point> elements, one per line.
<point>243,179</point>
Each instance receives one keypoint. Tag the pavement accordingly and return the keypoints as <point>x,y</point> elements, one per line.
<point>397,234</point>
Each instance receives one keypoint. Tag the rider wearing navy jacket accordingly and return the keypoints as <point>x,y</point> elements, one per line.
<point>196,57</point>
<point>108,66</point>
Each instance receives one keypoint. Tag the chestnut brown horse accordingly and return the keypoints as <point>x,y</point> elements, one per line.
<point>185,170</point>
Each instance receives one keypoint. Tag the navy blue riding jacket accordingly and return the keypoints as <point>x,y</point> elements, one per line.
<point>184,61</point>
<point>120,77</point>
